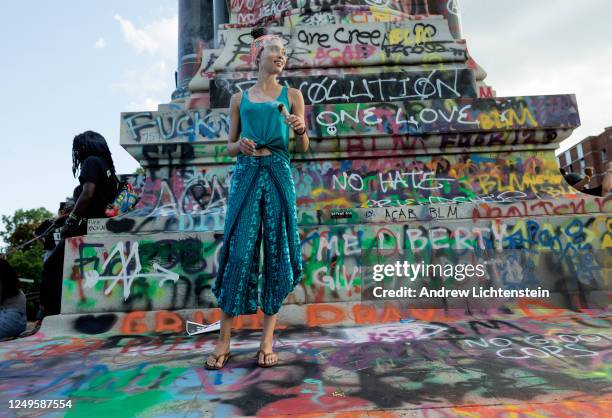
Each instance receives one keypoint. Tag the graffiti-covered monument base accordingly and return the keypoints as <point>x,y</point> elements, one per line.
<point>412,158</point>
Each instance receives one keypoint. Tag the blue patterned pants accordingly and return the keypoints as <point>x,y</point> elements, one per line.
<point>261,204</point>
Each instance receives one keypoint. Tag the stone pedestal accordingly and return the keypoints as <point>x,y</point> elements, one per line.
<point>196,34</point>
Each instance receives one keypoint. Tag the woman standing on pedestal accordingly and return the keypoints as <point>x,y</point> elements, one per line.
<point>262,194</point>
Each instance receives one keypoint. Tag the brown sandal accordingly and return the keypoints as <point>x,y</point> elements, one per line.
<point>225,356</point>
<point>264,359</point>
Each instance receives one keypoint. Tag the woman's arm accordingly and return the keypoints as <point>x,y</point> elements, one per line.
<point>296,120</point>
<point>233,146</point>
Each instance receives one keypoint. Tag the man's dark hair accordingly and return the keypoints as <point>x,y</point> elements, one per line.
<point>10,283</point>
<point>88,144</point>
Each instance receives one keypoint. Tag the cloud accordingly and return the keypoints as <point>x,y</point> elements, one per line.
<point>147,104</point>
<point>147,86</point>
<point>150,79</point>
<point>157,38</point>
<point>100,43</point>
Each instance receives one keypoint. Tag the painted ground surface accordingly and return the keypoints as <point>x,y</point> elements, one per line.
<point>547,364</point>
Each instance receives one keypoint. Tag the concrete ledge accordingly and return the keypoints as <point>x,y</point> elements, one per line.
<point>308,315</point>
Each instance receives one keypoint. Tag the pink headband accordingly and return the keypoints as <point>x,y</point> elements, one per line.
<point>258,44</point>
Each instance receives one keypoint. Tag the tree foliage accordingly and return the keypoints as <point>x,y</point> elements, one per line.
<point>19,229</point>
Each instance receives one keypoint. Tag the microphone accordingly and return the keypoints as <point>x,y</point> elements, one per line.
<point>282,109</point>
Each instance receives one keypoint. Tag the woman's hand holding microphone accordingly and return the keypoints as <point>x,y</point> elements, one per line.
<point>296,123</point>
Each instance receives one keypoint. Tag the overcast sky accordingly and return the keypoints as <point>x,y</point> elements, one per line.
<point>74,65</point>
<point>531,47</point>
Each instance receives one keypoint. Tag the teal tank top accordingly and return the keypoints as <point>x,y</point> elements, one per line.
<point>264,124</point>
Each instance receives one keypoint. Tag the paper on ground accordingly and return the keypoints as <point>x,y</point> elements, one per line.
<point>193,328</point>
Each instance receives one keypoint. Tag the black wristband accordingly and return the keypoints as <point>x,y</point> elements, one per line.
<point>300,133</point>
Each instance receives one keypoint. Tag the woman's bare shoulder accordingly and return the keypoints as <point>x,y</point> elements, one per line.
<point>295,97</point>
<point>236,98</point>
<point>294,92</point>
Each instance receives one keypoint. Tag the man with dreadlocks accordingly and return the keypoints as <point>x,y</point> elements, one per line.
<point>91,159</point>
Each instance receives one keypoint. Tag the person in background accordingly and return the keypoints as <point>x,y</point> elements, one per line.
<point>593,191</point>
<point>577,181</point>
<point>50,229</point>
<point>98,186</point>
<point>580,182</point>
<point>12,302</point>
